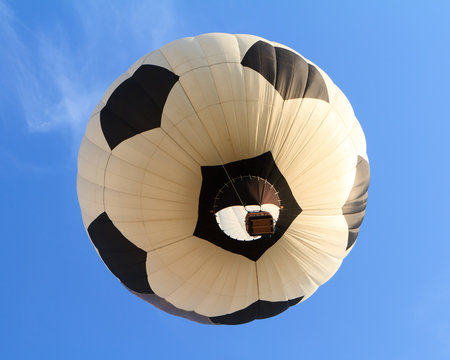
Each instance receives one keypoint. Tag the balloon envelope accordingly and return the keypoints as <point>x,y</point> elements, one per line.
<point>223,178</point>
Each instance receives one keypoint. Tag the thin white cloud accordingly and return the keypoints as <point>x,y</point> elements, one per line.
<point>139,24</point>
<point>57,78</point>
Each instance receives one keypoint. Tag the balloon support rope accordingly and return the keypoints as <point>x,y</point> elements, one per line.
<point>232,184</point>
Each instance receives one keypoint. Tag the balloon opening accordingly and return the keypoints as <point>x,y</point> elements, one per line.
<point>259,223</point>
<point>247,208</point>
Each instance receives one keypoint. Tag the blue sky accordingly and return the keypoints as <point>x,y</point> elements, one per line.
<point>390,299</point>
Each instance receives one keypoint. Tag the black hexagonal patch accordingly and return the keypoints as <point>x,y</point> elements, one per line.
<point>214,177</point>
<point>260,309</point>
<point>124,259</point>
<point>288,72</point>
<point>136,105</point>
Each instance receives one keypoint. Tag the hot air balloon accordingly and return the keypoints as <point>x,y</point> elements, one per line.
<point>223,178</point>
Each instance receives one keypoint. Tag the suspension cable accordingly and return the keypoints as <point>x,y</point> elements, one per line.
<point>232,184</point>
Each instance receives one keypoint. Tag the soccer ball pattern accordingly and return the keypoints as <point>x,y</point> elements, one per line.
<point>186,120</point>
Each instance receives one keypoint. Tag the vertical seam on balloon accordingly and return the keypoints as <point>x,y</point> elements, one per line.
<point>307,120</point>
<point>104,182</point>
<point>192,284</point>
<point>198,115</point>
<point>181,148</point>
<point>305,143</point>
<point>181,134</point>
<point>343,139</point>
<point>296,136</point>
<point>96,183</point>
<point>308,243</point>
<point>166,269</point>
<point>274,97</point>
<point>247,145</point>
<point>220,293</point>
<point>310,259</point>
<point>354,118</point>
<point>218,95</point>
<point>300,262</point>
<point>195,110</point>
<point>244,100</point>
<point>233,293</point>
<point>257,280</point>
<point>278,124</point>
<point>295,115</point>
<point>279,272</point>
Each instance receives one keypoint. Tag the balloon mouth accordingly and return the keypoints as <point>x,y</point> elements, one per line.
<point>248,223</point>
<point>259,223</point>
<point>247,208</point>
<point>236,188</point>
